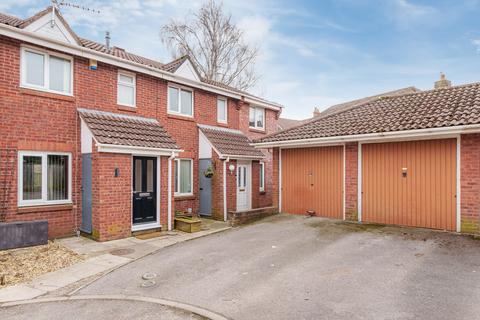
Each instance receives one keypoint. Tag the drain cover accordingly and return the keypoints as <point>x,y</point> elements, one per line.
<point>122,252</point>
<point>148,283</point>
<point>149,276</point>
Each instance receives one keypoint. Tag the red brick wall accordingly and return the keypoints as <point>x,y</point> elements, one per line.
<point>470,183</point>
<point>275,178</point>
<point>232,187</point>
<point>111,196</point>
<point>351,181</point>
<point>217,188</point>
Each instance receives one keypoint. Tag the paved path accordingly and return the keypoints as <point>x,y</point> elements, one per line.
<point>291,267</point>
<point>287,267</point>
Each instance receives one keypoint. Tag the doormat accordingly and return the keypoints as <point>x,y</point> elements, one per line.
<point>150,235</point>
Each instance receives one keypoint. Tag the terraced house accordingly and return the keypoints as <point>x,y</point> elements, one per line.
<point>97,139</point>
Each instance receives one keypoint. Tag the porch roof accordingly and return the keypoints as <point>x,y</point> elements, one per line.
<point>124,130</point>
<point>230,143</point>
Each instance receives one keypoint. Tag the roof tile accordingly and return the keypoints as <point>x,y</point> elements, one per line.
<point>122,130</point>
<point>446,107</point>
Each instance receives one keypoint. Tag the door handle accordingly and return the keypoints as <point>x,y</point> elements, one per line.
<point>201,189</point>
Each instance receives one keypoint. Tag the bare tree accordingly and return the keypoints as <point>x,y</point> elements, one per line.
<point>215,45</point>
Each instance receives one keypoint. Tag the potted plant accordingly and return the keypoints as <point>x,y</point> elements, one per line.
<point>209,172</point>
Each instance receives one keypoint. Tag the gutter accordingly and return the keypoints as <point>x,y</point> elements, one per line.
<point>225,188</point>
<point>169,192</point>
<point>371,137</point>
<point>77,50</point>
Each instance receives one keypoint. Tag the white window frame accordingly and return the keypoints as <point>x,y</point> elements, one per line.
<point>226,110</point>
<point>46,70</point>
<point>126,84</point>
<point>44,200</point>
<point>255,125</point>
<point>262,177</point>
<point>180,89</point>
<point>177,183</point>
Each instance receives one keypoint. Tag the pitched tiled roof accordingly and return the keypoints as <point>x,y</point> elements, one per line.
<point>284,123</point>
<point>454,106</point>
<point>351,104</point>
<point>172,66</point>
<point>230,142</point>
<point>122,130</point>
<point>114,51</point>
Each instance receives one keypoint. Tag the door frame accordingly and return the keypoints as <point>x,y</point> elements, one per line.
<point>247,163</point>
<point>458,137</point>
<point>149,225</point>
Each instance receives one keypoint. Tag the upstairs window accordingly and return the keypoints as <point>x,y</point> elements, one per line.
<point>222,112</point>
<point>257,118</point>
<point>44,71</point>
<point>126,89</point>
<point>44,178</point>
<point>180,101</point>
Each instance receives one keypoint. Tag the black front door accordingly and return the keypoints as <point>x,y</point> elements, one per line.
<point>144,189</point>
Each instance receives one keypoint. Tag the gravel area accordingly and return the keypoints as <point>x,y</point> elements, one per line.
<point>24,264</point>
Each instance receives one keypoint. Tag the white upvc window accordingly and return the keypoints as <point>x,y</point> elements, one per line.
<point>262,176</point>
<point>180,100</point>
<point>126,89</point>
<point>46,71</point>
<point>222,110</point>
<point>183,177</point>
<point>44,178</point>
<point>257,118</point>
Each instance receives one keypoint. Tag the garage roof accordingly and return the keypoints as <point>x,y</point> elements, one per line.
<point>446,107</point>
<point>122,130</point>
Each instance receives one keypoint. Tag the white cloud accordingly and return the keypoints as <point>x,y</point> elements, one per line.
<point>406,14</point>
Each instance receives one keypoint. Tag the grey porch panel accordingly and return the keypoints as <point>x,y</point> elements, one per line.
<point>23,234</point>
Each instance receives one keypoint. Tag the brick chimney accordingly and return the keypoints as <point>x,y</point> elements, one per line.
<point>443,82</point>
<point>316,112</point>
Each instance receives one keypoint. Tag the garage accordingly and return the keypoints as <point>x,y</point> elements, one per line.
<point>312,180</point>
<point>410,183</point>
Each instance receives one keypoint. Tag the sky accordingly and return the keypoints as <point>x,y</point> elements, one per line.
<point>312,53</point>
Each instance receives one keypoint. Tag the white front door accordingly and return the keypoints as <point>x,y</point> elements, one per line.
<point>243,186</point>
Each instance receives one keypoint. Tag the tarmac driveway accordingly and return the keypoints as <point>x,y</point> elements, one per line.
<point>293,267</point>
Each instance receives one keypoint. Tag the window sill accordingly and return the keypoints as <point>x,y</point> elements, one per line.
<point>256,130</point>
<point>185,197</point>
<point>45,208</point>
<point>263,192</point>
<point>180,117</point>
<point>126,108</point>
<point>46,94</point>
<point>222,124</point>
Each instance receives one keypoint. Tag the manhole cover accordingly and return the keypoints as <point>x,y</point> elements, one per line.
<point>122,252</point>
<point>149,276</point>
<point>148,283</point>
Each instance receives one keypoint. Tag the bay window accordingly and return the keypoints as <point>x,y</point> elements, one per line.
<point>257,118</point>
<point>44,178</point>
<point>46,71</point>
<point>180,101</point>
<point>183,176</point>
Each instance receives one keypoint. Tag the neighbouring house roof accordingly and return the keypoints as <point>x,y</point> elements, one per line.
<point>446,107</point>
<point>229,142</point>
<point>122,130</point>
<point>284,123</point>
<point>351,104</point>
<point>170,67</point>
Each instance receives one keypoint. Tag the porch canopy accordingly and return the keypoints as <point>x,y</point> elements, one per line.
<point>229,143</point>
<point>118,133</point>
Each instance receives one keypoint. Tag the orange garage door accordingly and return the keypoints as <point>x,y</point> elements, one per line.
<point>410,183</point>
<point>312,179</point>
